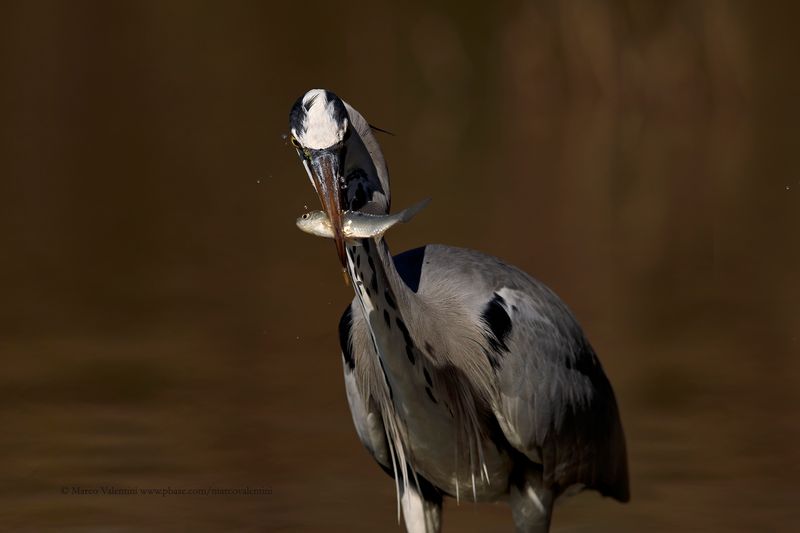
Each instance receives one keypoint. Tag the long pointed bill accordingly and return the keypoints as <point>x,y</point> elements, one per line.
<point>325,168</point>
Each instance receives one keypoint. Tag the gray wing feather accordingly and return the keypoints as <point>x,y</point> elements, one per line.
<point>557,402</point>
<point>550,395</point>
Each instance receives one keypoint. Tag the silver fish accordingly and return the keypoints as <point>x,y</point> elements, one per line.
<point>357,225</point>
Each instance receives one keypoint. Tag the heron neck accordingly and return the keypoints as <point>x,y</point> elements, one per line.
<point>388,303</point>
<point>374,275</point>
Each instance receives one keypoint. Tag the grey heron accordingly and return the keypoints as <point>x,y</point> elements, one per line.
<point>465,376</point>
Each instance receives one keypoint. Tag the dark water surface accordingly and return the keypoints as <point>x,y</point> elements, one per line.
<point>164,325</point>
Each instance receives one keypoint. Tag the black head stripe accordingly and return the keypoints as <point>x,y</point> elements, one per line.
<point>296,116</point>
<point>339,111</point>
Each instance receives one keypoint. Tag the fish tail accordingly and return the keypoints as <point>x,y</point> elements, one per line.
<point>411,212</point>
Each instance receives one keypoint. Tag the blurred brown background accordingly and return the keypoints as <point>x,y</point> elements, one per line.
<point>163,323</point>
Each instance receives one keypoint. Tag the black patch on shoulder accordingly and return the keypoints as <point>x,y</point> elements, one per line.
<point>407,338</point>
<point>345,325</point>
<point>427,377</point>
<point>389,299</point>
<point>387,319</point>
<point>430,394</point>
<point>409,266</point>
<point>498,322</point>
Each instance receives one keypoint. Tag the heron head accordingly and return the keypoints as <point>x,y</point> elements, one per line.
<point>319,126</point>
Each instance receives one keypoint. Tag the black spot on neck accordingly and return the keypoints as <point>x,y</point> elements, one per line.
<point>387,319</point>
<point>345,325</point>
<point>404,330</point>
<point>385,377</point>
<point>407,338</point>
<point>430,394</point>
<point>389,299</point>
<point>427,377</point>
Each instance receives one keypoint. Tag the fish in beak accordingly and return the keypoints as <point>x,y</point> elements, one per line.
<point>325,171</point>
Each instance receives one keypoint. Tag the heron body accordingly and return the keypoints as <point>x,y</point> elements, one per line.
<point>465,377</point>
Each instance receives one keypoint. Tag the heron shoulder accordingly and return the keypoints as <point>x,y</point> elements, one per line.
<point>467,275</point>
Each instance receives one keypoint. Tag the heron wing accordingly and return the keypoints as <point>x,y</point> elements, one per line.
<point>554,402</point>
<point>550,396</point>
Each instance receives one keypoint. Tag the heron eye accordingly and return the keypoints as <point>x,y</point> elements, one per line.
<point>295,142</point>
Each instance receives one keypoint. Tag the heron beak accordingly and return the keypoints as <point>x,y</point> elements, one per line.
<point>325,168</point>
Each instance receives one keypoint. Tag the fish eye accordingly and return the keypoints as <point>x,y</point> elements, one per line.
<point>305,216</point>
